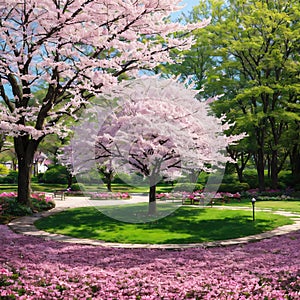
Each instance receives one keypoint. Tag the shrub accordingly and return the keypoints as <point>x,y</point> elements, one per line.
<point>40,177</point>
<point>77,187</point>
<point>296,193</point>
<point>56,174</point>
<point>9,206</point>
<point>229,178</point>
<point>121,179</point>
<point>41,203</point>
<point>92,177</point>
<point>188,187</point>
<point>202,178</point>
<point>3,170</point>
<point>287,178</point>
<point>250,176</point>
<point>230,168</point>
<point>230,187</point>
<point>12,177</point>
<point>281,185</point>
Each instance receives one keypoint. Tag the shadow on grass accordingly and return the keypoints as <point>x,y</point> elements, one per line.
<point>185,225</point>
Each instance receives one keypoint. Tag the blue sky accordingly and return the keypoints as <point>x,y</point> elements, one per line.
<point>189,5</point>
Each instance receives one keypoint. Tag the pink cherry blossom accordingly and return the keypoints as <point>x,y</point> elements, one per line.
<point>66,45</point>
<point>71,51</point>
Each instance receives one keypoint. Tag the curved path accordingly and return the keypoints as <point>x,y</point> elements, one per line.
<point>25,225</point>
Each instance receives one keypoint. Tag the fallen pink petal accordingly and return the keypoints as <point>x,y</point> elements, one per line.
<point>31,268</point>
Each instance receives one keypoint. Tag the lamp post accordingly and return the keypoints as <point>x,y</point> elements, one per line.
<point>253,200</point>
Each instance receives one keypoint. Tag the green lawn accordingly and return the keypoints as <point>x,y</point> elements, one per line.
<point>287,205</point>
<point>185,225</point>
<point>116,187</point>
<point>37,187</point>
<point>293,206</point>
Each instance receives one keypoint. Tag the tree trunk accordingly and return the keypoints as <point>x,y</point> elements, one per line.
<point>260,167</point>
<point>269,166</point>
<point>108,184</point>
<point>241,159</point>
<point>295,163</point>
<point>260,133</point>
<point>152,199</point>
<point>25,149</point>
<point>14,162</point>
<point>108,178</point>
<point>24,180</point>
<point>239,173</point>
<point>2,141</point>
<point>274,169</point>
<point>70,180</point>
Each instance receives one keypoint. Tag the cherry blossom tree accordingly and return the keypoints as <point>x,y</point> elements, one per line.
<point>104,164</point>
<point>159,129</point>
<point>66,158</point>
<point>73,49</point>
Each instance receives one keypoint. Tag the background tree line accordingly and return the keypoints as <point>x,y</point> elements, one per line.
<point>250,54</point>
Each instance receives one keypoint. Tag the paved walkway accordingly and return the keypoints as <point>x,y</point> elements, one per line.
<point>25,225</point>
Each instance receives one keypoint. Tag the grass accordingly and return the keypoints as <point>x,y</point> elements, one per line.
<point>38,187</point>
<point>185,225</point>
<point>287,205</point>
<point>293,206</point>
<point>116,187</point>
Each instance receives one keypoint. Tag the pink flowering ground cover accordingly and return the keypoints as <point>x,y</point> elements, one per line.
<point>34,269</point>
<point>107,196</point>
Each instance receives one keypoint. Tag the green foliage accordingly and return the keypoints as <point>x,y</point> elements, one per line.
<point>287,178</point>
<point>234,187</point>
<point>130,179</point>
<point>202,178</point>
<point>41,204</point>
<point>250,54</point>
<point>229,187</point>
<point>188,187</point>
<point>250,176</point>
<point>40,178</point>
<point>56,174</point>
<point>93,177</point>
<point>3,170</point>
<point>12,177</point>
<point>77,187</point>
<point>10,206</point>
<point>229,178</point>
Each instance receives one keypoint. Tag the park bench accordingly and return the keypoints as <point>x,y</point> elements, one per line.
<point>197,201</point>
<point>60,194</point>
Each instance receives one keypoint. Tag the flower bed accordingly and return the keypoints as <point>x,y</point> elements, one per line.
<point>169,196</point>
<point>288,194</point>
<point>108,196</point>
<point>31,268</point>
<point>9,207</point>
<point>199,197</point>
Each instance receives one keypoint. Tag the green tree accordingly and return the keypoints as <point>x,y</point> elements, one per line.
<point>254,62</point>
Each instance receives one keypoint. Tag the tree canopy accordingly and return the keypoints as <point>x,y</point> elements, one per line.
<point>73,50</point>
